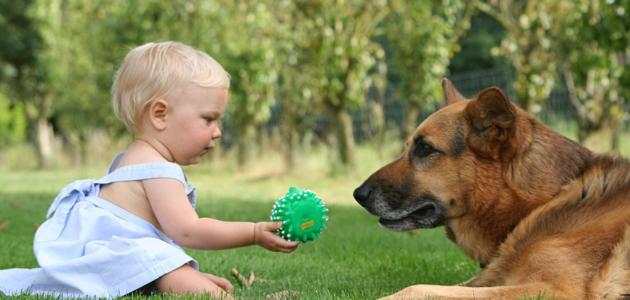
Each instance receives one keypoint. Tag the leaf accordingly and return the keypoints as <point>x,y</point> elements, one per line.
<point>4,226</point>
<point>283,295</point>
<point>240,278</point>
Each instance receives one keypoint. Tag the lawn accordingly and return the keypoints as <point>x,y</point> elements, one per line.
<point>354,258</point>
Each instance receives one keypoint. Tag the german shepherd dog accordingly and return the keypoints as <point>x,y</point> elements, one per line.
<point>540,213</point>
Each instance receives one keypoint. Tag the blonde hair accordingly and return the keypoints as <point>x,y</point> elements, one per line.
<point>152,70</point>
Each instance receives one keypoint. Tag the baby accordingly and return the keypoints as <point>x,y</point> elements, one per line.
<point>122,233</point>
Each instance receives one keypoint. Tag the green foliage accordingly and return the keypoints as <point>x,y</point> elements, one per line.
<point>12,123</point>
<point>249,52</point>
<point>594,64</point>
<point>476,44</point>
<point>79,105</point>
<point>24,76</point>
<point>585,41</point>
<point>610,17</point>
<point>530,28</point>
<point>295,95</point>
<point>20,40</point>
<point>423,37</point>
<point>339,53</point>
<point>337,40</point>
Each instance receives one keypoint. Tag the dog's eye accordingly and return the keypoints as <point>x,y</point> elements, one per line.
<point>422,149</point>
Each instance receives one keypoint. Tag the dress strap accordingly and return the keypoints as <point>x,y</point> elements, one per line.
<point>145,171</point>
<point>149,171</point>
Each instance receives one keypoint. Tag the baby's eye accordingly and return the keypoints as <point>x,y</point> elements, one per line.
<point>209,120</point>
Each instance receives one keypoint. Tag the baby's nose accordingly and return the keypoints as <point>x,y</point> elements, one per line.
<point>217,134</point>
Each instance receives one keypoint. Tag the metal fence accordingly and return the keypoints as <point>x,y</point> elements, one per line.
<point>393,108</point>
<point>469,84</point>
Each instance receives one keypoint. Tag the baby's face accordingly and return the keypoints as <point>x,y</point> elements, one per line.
<point>193,122</point>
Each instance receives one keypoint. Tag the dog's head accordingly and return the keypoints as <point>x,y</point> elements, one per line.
<point>483,158</point>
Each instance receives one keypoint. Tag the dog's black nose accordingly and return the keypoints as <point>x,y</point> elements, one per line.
<point>362,193</point>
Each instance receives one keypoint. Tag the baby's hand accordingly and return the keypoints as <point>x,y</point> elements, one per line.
<point>265,237</point>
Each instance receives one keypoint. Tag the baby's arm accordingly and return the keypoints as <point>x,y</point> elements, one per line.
<point>181,223</point>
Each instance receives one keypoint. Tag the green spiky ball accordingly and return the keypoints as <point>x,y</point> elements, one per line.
<point>302,213</point>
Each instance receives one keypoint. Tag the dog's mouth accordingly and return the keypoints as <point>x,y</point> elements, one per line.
<point>427,213</point>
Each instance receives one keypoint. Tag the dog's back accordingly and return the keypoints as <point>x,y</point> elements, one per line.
<point>579,242</point>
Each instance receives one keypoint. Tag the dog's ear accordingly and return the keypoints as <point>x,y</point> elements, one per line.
<point>451,94</point>
<point>492,118</point>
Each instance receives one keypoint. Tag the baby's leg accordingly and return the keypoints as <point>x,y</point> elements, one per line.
<point>187,280</point>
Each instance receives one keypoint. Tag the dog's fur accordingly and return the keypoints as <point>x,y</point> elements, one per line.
<point>543,214</point>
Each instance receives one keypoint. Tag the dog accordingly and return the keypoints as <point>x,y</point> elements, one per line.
<point>542,215</point>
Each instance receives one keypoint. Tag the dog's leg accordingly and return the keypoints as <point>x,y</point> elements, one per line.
<point>613,281</point>
<point>461,292</point>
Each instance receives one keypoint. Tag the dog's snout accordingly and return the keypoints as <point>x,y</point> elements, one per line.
<point>362,193</point>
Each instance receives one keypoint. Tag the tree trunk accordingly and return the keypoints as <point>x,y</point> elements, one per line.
<point>35,108</point>
<point>292,148</point>
<point>83,148</point>
<point>43,141</point>
<point>580,109</point>
<point>244,145</point>
<point>582,132</point>
<point>261,135</point>
<point>291,142</point>
<point>615,134</point>
<point>342,126</point>
<point>616,116</point>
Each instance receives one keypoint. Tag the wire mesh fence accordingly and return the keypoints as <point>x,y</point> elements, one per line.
<point>469,84</point>
<point>366,123</point>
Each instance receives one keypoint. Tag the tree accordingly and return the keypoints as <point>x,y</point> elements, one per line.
<point>528,44</point>
<point>25,76</point>
<point>336,41</point>
<point>77,105</point>
<point>423,37</point>
<point>250,57</point>
<point>594,65</point>
<point>295,95</point>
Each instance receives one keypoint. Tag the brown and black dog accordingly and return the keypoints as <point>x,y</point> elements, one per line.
<point>543,214</point>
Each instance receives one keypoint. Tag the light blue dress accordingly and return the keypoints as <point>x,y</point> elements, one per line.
<point>89,246</point>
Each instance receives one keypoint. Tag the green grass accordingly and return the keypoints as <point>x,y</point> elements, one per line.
<point>354,258</point>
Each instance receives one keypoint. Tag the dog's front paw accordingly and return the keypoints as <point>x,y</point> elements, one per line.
<point>435,292</point>
<point>420,291</point>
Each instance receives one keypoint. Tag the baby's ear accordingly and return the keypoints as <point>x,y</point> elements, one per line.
<point>158,110</point>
